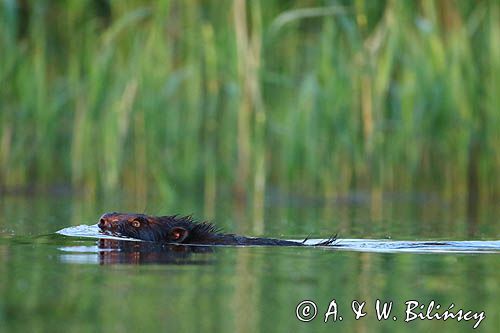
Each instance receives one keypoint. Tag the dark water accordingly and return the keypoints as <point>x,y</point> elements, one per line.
<point>51,282</point>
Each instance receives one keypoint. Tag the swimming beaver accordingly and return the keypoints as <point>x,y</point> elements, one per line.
<point>182,230</point>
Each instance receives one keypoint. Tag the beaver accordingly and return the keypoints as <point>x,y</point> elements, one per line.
<point>177,229</point>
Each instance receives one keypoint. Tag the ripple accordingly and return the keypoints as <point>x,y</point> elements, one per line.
<point>360,245</point>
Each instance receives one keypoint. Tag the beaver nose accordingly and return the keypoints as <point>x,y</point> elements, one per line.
<point>102,223</point>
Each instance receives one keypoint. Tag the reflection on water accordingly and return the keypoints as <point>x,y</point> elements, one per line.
<point>111,251</point>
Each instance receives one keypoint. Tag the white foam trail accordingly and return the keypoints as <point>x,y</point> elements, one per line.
<point>361,245</point>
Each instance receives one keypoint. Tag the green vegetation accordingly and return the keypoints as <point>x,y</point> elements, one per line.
<point>317,97</point>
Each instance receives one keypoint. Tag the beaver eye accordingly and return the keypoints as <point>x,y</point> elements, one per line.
<point>136,223</point>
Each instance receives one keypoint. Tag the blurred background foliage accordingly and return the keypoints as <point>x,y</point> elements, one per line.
<point>248,99</point>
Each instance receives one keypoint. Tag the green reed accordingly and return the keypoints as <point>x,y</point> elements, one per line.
<point>210,98</point>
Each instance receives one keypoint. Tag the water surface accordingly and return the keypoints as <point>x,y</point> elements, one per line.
<point>52,282</point>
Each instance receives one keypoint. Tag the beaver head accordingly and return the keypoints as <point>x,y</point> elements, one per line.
<point>169,229</point>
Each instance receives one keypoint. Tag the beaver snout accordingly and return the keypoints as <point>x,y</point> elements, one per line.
<point>105,223</point>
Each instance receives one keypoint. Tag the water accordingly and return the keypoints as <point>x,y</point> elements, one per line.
<point>52,282</point>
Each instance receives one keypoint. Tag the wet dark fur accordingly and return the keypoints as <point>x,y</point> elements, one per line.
<point>182,230</point>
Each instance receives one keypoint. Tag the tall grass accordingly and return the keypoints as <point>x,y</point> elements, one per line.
<point>203,98</point>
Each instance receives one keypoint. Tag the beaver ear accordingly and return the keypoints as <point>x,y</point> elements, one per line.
<point>178,234</point>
